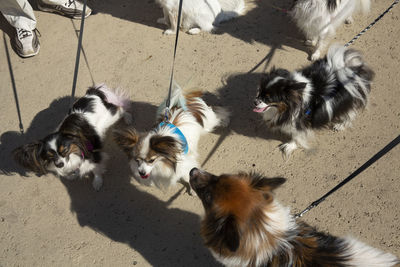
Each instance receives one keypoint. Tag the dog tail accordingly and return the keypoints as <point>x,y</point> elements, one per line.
<point>117,97</point>
<point>360,254</point>
<point>177,100</point>
<point>230,9</point>
<point>350,69</point>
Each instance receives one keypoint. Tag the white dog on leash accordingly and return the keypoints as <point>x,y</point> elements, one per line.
<point>198,15</point>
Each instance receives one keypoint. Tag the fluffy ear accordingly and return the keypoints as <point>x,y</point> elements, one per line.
<point>165,145</point>
<point>126,139</point>
<point>267,184</point>
<point>28,156</point>
<point>230,233</point>
<point>298,86</point>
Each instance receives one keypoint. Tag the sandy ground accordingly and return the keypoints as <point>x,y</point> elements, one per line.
<point>45,221</point>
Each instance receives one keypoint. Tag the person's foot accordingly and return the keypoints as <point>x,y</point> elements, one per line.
<point>26,42</point>
<point>69,8</point>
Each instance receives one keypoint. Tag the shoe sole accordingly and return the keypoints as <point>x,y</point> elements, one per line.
<point>60,12</point>
<point>31,54</point>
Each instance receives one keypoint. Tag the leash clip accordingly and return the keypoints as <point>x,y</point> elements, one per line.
<point>166,119</point>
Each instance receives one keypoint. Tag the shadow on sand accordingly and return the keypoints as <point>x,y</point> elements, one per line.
<point>163,236</point>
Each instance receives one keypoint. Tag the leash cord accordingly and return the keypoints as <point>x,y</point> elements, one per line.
<point>78,54</point>
<point>378,155</point>
<point>168,102</point>
<point>372,24</point>
<point>371,161</point>
<point>21,126</point>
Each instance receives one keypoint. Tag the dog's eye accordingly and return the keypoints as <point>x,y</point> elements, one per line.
<point>151,160</point>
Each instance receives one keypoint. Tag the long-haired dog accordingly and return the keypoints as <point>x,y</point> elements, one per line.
<point>199,15</point>
<point>328,93</point>
<point>245,226</point>
<point>75,149</point>
<point>166,154</point>
<point>319,19</point>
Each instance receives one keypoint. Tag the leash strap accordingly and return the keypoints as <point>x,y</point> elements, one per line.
<point>21,126</point>
<point>372,24</point>
<point>78,55</point>
<point>371,161</point>
<point>178,26</point>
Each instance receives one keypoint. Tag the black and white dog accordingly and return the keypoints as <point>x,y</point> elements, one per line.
<point>319,19</point>
<point>75,149</point>
<point>329,92</point>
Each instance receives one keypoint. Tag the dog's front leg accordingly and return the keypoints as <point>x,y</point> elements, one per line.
<point>173,21</point>
<point>165,19</point>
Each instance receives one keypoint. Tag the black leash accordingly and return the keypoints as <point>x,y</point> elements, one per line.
<point>21,126</point>
<point>168,102</point>
<point>78,55</point>
<point>371,161</point>
<point>372,24</point>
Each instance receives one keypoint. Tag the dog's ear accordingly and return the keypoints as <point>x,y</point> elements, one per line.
<point>281,73</point>
<point>229,233</point>
<point>298,86</point>
<point>29,157</point>
<point>165,145</point>
<point>126,139</point>
<point>267,184</point>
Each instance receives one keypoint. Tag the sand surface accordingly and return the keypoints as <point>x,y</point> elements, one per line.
<point>45,221</point>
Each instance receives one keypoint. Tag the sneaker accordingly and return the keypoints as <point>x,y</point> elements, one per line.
<point>69,8</point>
<point>26,42</point>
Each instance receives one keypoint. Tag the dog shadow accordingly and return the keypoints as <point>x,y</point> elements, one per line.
<point>145,12</point>
<point>237,95</point>
<point>164,236</point>
<point>267,22</point>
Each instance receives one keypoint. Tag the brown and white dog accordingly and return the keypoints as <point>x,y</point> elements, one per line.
<point>166,154</point>
<point>245,226</point>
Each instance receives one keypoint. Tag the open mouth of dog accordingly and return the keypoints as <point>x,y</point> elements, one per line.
<point>145,176</point>
<point>263,107</point>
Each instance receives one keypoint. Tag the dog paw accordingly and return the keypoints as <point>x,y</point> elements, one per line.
<point>161,21</point>
<point>316,55</point>
<point>97,182</point>
<point>310,42</point>
<point>194,31</point>
<point>287,149</point>
<point>169,32</point>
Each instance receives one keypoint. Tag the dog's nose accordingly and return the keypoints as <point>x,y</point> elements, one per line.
<point>193,171</point>
<point>142,173</point>
<point>59,165</point>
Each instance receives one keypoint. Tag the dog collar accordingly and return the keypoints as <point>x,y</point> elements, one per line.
<point>178,132</point>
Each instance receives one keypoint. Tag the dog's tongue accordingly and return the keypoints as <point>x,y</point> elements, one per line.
<point>145,176</point>
<point>260,109</point>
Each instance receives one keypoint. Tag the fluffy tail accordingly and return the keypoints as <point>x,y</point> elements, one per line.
<point>191,101</point>
<point>351,71</point>
<point>177,100</point>
<point>230,9</point>
<point>118,97</point>
<point>360,254</point>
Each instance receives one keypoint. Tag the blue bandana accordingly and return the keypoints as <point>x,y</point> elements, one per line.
<point>178,132</point>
